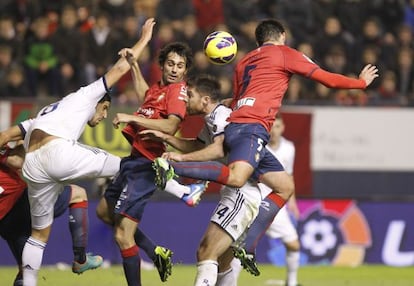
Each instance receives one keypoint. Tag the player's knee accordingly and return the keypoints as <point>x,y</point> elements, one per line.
<point>102,212</point>
<point>293,245</point>
<point>78,194</point>
<point>204,251</point>
<point>236,181</point>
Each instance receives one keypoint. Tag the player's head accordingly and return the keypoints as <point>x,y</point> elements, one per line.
<point>175,60</point>
<point>278,127</point>
<point>269,31</point>
<point>101,111</point>
<point>203,93</point>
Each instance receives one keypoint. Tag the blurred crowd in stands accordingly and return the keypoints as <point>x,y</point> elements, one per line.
<point>51,47</point>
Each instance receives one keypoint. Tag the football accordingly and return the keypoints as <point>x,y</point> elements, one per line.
<point>220,47</point>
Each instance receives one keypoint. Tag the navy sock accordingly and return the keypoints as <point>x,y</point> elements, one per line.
<point>131,263</point>
<point>145,243</point>
<point>78,225</point>
<point>267,213</point>
<point>206,171</point>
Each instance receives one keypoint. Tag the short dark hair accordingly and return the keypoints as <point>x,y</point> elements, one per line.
<point>268,30</point>
<point>206,85</point>
<point>181,49</point>
<point>106,97</point>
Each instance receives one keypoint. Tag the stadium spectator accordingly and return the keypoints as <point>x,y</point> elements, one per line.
<point>100,47</point>
<point>387,93</point>
<point>409,13</point>
<point>8,37</point>
<point>333,36</point>
<point>15,85</point>
<point>404,73</point>
<point>173,12</point>
<point>298,17</point>
<point>209,14</point>
<point>70,50</point>
<point>41,61</point>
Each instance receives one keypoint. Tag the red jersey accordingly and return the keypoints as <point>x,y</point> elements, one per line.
<point>11,187</point>
<point>260,82</point>
<point>160,102</point>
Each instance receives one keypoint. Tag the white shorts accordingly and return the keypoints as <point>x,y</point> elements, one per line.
<point>47,169</point>
<point>237,209</point>
<point>282,227</point>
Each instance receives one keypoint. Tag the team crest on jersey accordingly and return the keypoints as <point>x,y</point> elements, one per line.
<point>161,97</point>
<point>257,157</point>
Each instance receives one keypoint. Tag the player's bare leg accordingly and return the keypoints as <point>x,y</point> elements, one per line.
<point>214,243</point>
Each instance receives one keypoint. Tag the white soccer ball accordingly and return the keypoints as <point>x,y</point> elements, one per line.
<point>220,47</point>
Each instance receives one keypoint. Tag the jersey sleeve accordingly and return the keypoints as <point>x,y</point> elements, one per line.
<point>25,126</point>
<point>334,80</point>
<point>176,100</point>
<point>298,63</point>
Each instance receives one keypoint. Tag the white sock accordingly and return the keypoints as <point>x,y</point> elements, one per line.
<point>236,266</point>
<point>206,273</point>
<point>177,189</point>
<point>32,260</point>
<point>226,278</point>
<point>292,265</point>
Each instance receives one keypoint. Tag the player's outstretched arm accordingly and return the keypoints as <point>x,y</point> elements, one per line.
<point>140,85</point>
<point>122,66</point>
<point>369,73</point>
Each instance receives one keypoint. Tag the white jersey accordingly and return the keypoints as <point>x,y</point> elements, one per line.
<point>215,122</point>
<point>74,112</point>
<point>285,153</point>
<point>282,226</point>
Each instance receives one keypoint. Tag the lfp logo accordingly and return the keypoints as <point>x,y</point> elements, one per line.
<point>334,232</point>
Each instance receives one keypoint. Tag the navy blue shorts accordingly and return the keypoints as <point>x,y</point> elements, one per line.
<point>132,187</point>
<point>246,142</point>
<point>62,202</point>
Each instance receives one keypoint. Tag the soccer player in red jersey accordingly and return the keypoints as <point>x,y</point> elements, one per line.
<point>259,84</point>
<point>163,108</point>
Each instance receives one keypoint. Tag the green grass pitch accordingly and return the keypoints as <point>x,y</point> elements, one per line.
<point>183,275</point>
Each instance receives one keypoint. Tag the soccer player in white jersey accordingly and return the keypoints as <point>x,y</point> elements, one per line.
<point>237,207</point>
<point>281,225</point>
<point>54,157</point>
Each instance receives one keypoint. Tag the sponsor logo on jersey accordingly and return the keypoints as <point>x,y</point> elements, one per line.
<point>147,112</point>
<point>248,101</point>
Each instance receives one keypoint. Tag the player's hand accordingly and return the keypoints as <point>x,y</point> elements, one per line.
<point>173,156</point>
<point>121,118</point>
<point>369,73</point>
<point>152,135</point>
<point>128,54</point>
<point>147,29</point>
